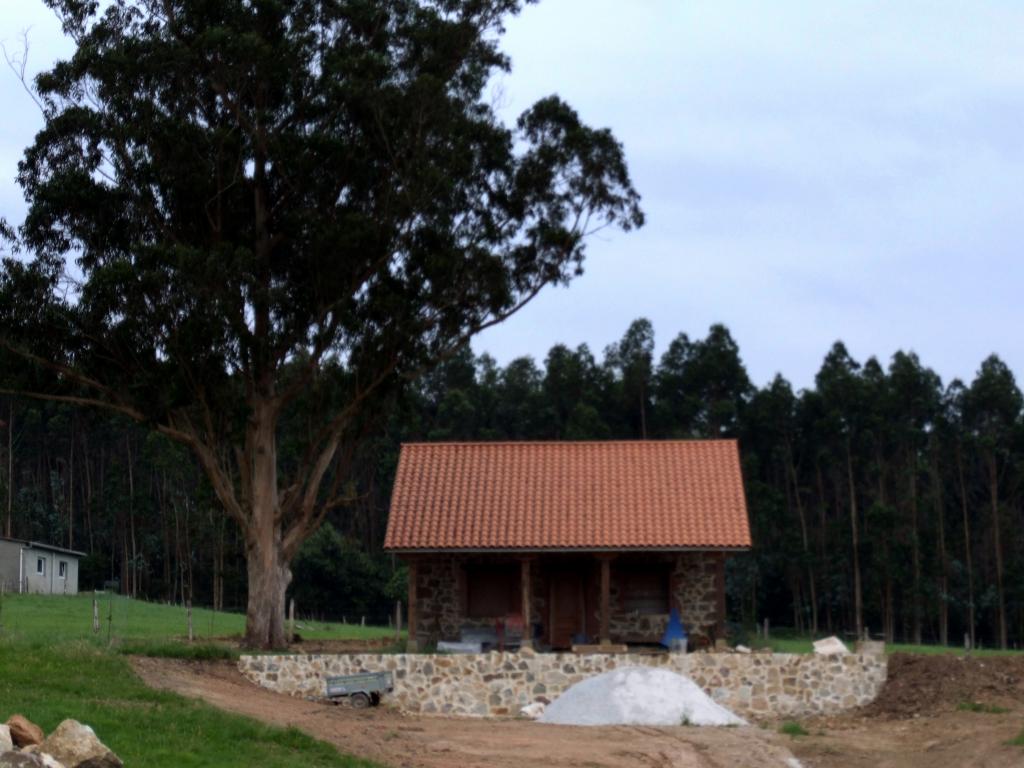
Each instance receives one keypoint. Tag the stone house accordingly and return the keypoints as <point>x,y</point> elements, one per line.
<point>576,542</point>
<point>30,566</point>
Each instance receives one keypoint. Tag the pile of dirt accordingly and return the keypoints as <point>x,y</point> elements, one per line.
<point>923,686</point>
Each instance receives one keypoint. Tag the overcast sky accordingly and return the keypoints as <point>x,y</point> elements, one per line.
<point>810,171</point>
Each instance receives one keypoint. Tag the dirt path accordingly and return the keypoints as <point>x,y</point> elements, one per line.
<point>406,741</point>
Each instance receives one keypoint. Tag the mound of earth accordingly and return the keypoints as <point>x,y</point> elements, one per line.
<point>925,685</point>
<point>637,696</point>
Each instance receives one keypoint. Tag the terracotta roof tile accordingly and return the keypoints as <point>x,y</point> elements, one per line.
<point>652,494</point>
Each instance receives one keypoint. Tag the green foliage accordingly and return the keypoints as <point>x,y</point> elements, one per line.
<point>285,211</point>
<point>50,682</point>
<point>918,457</point>
<point>792,729</point>
<point>179,650</point>
<point>335,577</point>
<point>977,706</point>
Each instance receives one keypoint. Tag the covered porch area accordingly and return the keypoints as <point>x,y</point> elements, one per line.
<point>557,601</point>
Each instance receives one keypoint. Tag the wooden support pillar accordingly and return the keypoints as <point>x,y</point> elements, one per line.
<point>410,645</point>
<point>606,600</point>
<point>720,597</point>
<point>525,583</point>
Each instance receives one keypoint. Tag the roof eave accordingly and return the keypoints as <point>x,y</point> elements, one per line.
<point>557,550</point>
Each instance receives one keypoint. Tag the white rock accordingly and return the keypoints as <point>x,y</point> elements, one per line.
<point>6,745</point>
<point>637,696</point>
<point>73,743</point>
<point>533,710</point>
<point>830,646</point>
<point>742,649</point>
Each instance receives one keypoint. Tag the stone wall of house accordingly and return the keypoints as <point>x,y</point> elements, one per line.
<point>440,597</point>
<point>438,600</point>
<point>693,592</point>
<point>759,685</point>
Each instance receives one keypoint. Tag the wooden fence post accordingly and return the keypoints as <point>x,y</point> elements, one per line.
<point>188,613</point>
<point>95,616</point>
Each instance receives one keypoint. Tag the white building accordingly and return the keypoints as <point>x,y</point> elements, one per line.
<point>30,566</point>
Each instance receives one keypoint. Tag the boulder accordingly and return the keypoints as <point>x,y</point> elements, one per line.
<point>6,742</point>
<point>830,646</point>
<point>109,760</point>
<point>76,746</point>
<point>47,761</point>
<point>533,710</point>
<point>21,760</point>
<point>24,732</point>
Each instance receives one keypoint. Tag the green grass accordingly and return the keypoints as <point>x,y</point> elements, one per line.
<point>53,667</point>
<point>792,729</point>
<point>977,706</point>
<point>1017,741</point>
<point>178,650</point>
<point>58,618</point>
<point>786,641</point>
<point>50,682</point>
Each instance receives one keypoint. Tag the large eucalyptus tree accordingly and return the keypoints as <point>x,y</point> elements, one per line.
<point>230,197</point>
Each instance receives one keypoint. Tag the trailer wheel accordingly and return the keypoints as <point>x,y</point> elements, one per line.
<point>360,700</point>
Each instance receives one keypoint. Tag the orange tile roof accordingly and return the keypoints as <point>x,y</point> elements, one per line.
<point>652,494</point>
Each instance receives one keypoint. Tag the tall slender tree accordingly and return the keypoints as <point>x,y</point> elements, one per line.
<point>992,408</point>
<point>228,199</point>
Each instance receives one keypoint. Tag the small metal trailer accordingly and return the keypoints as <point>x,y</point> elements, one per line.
<point>362,690</point>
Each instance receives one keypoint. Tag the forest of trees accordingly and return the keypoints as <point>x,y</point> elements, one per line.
<point>881,499</point>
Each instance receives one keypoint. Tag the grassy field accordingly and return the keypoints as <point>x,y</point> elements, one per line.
<point>58,618</point>
<point>52,667</point>
<point>50,682</point>
<point>786,642</point>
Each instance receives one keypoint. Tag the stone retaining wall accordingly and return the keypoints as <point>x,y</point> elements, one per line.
<point>759,685</point>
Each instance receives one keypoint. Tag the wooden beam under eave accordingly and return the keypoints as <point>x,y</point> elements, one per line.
<point>720,596</point>
<point>606,600</point>
<point>411,646</point>
<point>525,582</point>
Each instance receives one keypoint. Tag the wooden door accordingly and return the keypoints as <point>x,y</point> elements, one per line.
<point>566,607</point>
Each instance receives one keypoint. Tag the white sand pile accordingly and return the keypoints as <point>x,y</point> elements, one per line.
<point>637,696</point>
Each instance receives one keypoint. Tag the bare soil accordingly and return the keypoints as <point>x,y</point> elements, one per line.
<point>916,722</point>
<point>947,740</point>
<point>407,741</point>
<point>928,686</point>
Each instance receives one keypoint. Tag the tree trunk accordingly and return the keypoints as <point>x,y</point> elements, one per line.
<point>805,539</point>
<point>71,486</point>
<point>858,606</point>
<point>133,590</point>
<point>943,557</point>
<point>967,545</point>
<point>266,561</point>
<point>915,552</point>
<point>821,540</point>
<point>268,578</point>
<point>10,468</point>
<point>993,486</point>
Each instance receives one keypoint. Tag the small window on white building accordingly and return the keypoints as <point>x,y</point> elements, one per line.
<point>41,566</point>
<point>62,569</point>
